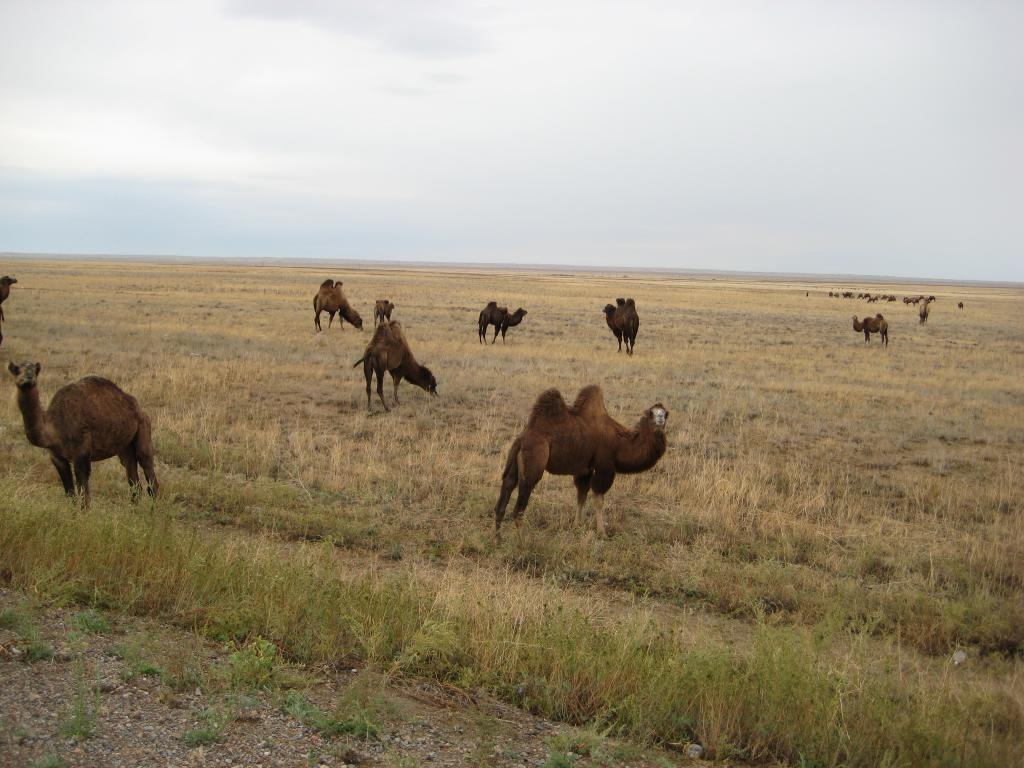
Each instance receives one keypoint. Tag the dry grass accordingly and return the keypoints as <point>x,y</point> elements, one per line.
<point>871,495</point>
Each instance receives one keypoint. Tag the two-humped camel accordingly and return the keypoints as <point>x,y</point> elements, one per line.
<point>582,441</point>
<point>382,309</point>
<point>624,322</point>
<point>389,351</point>
<point>500,318</point>
<point>869,325</point>
<point>90,420</point>
<point>5,290</point>
<point>331,300</point>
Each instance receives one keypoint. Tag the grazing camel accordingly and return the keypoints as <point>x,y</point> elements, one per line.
<point>5,290</point>
<point>331,300</point>
<point>90,420</point>
<point>922,311</point>
<point>876,324</point>
<point>582,441</point>
<point>389,351</point>
<point>959,305</point>
<point>500,318</point>
<point>623,321</point>
<point>382,309</point>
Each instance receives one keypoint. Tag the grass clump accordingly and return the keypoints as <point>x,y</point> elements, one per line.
<point>253,665</point>
<point>80,723</point>
<point>91,621</point>
<point>209,728</point>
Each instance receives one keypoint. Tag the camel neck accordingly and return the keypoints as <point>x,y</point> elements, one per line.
<point>37,429</point>
<point>642,450</point>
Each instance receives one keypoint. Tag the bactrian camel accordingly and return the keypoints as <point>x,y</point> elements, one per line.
<point>90,420</point>
<point>582,441</point>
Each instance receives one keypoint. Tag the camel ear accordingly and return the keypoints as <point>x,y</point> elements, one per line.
<point>13,368</point>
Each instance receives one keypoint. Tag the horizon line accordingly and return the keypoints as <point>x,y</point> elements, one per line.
<point>309,261</point>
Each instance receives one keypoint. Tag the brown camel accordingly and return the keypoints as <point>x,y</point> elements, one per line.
<point>389,351</point>
<point>90,420</point>
<point>623,321</point>
<point>923,310</point>
<point>959,305</point>
<point>331,300</point>
<point>5,290</point>
<point>876,324</point>
<point>582,441</point>
<point>382,309</point>
<point>500,318</point>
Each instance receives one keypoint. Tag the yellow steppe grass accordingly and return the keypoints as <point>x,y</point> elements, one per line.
<point>811,480</point>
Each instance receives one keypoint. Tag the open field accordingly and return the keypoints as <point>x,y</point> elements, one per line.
<point>831,522</point>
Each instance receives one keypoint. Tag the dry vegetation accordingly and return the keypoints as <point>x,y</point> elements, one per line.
<point>831,521</point>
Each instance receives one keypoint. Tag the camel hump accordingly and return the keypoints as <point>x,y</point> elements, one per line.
<point>620,302</point>
<point>549,405</point>
<point>589,400</point>
<point>328,283</point>
<point>491,304</point>
<point>630,303</point>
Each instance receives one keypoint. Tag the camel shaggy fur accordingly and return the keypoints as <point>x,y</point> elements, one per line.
<point>331,300</point>
<point>389,351</point>
<point>623,321</point>
<point>923,311</point>
<point>582,441</point>
<point>5,290</point>
<point>869,325</point>
<point>500,318</point>
<point>90,420</point>
<point>382,309</point>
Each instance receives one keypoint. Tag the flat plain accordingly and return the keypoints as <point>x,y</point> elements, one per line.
<point>832,522</point>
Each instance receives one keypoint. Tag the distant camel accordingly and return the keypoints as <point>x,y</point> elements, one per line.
<point>500,318</point>
<point>90,420</point>
<point>922,312</point>
<point>582,441</point>
<point>331,300</point>
<point>876,324</point>
<point>382,309</point>
<point>389,351</point>
<point>624,322</point>
<point>5,290</point>
<point>960,305</point>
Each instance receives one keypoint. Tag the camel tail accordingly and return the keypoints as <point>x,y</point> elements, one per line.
<point>359,362</point>
<point>511,471</point>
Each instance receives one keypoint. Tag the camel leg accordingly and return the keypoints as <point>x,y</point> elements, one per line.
<point>618,336</point>
<point>504,330</point>
<point>396,378</point>
<point>63,467</point>
<point>379,368</point>
<point>600,484</point>
<point>144,455</point>
<point>316,321</point>
<point>368,373</point>
<point>495,335</point>
<point>531,469</point>
<point>330,321</point>
<point>131,468</point>
<point>582,483</point>
<point>83,468</point>
<point>481,331</point>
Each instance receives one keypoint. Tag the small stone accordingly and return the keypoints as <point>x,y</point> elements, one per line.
<point>695,751</point>
<point>959,657</point>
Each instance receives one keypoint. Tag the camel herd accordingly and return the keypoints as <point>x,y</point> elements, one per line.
<point>93,419</point>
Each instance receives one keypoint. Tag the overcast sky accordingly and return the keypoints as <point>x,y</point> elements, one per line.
<point>853,137</point>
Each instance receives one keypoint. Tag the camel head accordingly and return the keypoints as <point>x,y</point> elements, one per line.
<point>658,415</point>
<point>25,374</point>
<point>609,309</point>
<point>6,280</point>
<point>427,380</point>
<point>356,320</point>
